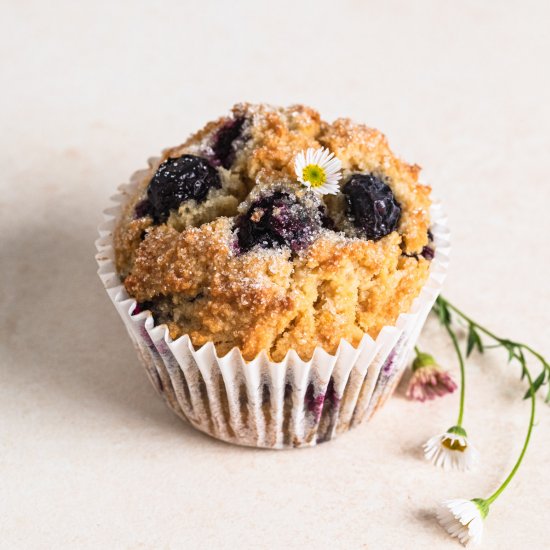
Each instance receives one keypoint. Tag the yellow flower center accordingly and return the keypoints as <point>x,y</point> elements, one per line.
<point>314,174</point>
<point>453,445</point>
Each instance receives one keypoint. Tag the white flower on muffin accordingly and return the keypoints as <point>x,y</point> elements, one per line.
<point>319,170</point>
<point>451,450</point>
<point>464,519</point>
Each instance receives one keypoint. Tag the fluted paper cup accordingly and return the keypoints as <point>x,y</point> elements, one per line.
<point>261,403</point>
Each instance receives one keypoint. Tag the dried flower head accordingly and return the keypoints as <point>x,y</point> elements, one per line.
<point>429,380</point>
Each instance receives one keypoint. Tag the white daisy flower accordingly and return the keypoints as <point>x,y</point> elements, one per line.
<point>464,519</point>
<point>319,170</point>
<point>451,450</point>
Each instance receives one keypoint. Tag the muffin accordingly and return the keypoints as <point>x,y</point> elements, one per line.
<point>267,269</point>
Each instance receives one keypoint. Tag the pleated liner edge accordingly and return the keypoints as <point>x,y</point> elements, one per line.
<point>261,403</point>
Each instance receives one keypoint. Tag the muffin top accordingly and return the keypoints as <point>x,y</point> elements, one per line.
<point>272,230</point>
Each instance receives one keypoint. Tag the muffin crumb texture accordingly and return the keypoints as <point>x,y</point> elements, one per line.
<point>220,241</point>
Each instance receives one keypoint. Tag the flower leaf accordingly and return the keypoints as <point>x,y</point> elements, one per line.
<point>474,341</point>
<point>537,383</point>
<point>511,349</point>
<point>443,312</point>
<point>523,372</point>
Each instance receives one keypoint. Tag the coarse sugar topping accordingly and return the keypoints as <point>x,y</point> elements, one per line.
<point>227,241</point>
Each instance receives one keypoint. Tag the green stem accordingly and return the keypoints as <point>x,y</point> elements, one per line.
<point>462,374</point>
<point>534,353</point>
<point>505,483</point>
<point>517,350</point>
<point>416,350</point>
<point>493,335</point>
<point>471,321</point>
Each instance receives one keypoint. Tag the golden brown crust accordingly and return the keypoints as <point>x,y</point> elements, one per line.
<point>364,149</point>
<point>225,298</point>
<point>188,272</point>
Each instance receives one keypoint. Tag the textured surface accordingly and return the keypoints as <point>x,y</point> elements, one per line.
<point>89,456</point>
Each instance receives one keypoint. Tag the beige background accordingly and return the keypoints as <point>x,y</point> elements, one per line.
<point>89,456</point>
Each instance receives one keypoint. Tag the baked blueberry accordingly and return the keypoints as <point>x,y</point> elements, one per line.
<point>371,206</point>
<point>224,142</point>
<point>428,253</point>
<point>178,180</point>
<point>143,208</point>
<point>315,403</point>
<point>279,219</point>
<point>143,306</point>
<point>326,221</point>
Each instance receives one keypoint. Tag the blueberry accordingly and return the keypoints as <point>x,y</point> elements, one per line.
<point>142,306</point>
<point>279,219</point>
<point>178,180</point>
<point>428,253</point>
<point>326,221</point>
<point>142,209</point>
<point>224,142</point>
<point>371,206</point>
<point>316,403</point>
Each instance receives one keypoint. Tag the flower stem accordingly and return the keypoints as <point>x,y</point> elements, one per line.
<point>493,335</point>
<point>469,320</point>
<point>462,374</point>
<point>511,475</point>
<point>516,350</point>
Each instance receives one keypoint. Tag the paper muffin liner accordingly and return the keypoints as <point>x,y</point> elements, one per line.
<point>261,403</point>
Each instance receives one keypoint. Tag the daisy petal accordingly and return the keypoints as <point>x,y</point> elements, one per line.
<point>464,519</point>
<point>451,450</point>
<point>318,170</point>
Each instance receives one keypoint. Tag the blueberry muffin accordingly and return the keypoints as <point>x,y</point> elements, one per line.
<point>227,238</point>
